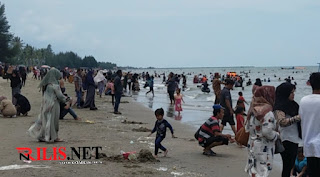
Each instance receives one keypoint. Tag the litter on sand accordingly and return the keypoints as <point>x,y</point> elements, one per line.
<point>16,167</point>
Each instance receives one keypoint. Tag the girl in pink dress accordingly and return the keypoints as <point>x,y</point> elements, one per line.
<point>178,98</point>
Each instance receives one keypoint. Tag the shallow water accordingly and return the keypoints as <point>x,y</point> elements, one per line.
<point>198,105</point>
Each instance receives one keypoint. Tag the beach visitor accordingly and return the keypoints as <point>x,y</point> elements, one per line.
<point>178,99</point>
<point>7,109</point>
<point>23,105</point>
<point>239,117</point>
<point>241,101</point>
<point>160,127</point>
<point>62,87</point>
<point>216,86</point>
<point>261,126</point>
<point>65,108</point>
<point>23,74</point>
<point>46,127</point>
<point>118,90</point>
<point>150,83</point>
<point>286,112</point>
<point>257,84</point>
<point>77,79</point>
<point>310,121</point>
<point>110,90</point>
<point>125,82</point>
<point>15,84</point>
<point>226,102</point>
<point>300,165</point>
<point>172,86</point>
<point>91,91</point>
<point>209,134</point>
<point>101,80</point>
<point>129,81</point>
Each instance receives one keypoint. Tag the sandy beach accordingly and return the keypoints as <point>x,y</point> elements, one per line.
<point>105,129</point>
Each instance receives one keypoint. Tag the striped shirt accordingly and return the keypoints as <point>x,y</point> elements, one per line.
<point>208,129</point>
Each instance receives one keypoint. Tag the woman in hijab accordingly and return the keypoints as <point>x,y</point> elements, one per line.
<point>261,126</point>
<point>101,80</point>
<point>15,85</point>
<point>91,89</point>
<point>286,113</point>
<point>23,105</point>
<point>256,85</point>
<point>47,125</point>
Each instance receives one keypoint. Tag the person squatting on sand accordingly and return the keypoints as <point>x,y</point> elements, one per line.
<point>309,112</point>
<point>261,126</point>
<point>23,105</point>
<point>209,134</point>
<point>161,128</point>
<point>7,109</point>
<point>46,126</point>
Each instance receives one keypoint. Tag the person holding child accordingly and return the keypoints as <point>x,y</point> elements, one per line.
<point>160,127</point>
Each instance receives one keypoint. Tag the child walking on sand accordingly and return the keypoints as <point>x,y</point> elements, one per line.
<point>161,128</point>
<point>178,98</point>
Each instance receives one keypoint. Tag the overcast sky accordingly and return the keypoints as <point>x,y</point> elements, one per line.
<point>174,33</point>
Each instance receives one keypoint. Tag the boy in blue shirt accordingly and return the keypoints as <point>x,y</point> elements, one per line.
<point>300,166</point>
<point>161,128</point>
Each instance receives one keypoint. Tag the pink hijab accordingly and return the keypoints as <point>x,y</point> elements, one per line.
<point>262,101</point>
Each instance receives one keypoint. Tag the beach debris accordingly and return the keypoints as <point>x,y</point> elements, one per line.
<point>27,161</point>
<point>131,142</point>
<point>131,122</point>
<point>89,121</point>
<point>162,169</point>
<point>132,166</point>
<point>141,129</point>
<point>177,173</point>
<point>146,156</point>
<point>16,167</point>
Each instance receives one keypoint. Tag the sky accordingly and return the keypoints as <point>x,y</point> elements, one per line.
<point>174,33</point>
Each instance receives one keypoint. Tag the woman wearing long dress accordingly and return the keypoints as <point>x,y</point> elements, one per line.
<point>91,91</point>
<point>261,126</point>
<point>47,125</point>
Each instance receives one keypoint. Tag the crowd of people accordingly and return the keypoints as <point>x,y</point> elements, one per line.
<point>272,115</point>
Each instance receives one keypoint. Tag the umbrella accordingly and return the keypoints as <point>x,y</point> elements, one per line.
<point>45,66</point>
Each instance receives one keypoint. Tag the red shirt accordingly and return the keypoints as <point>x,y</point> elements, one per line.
<point>240,119</point>
<point>241,101</point>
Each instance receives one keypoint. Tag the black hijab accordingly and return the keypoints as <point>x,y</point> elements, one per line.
<point>283,103</point>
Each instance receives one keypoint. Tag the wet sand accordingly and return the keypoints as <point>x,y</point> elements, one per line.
<point>103,128</point>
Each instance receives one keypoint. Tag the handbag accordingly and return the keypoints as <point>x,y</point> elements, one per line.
<point>278,146</point>
<point>242,136</point>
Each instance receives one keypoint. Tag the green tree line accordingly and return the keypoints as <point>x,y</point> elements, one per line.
<point>14,51</point>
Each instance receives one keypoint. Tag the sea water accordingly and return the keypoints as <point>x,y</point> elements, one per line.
<point>198,105</point>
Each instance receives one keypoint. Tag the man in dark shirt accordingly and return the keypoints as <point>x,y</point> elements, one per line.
<point>172,86</point>
<point>118,89</point>
<point>226,101</point>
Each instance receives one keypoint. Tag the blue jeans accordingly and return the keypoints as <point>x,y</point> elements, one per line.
<point>66,111</point>
<point>158,145</point>
<point>118,98</point>
<point>79,96</point>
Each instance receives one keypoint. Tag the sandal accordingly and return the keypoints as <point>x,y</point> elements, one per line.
<point>210,153</point>
<point>58,140</point>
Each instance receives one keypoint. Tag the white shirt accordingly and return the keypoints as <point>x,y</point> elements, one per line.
<point>290,133</point>
<point>310,124</point>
